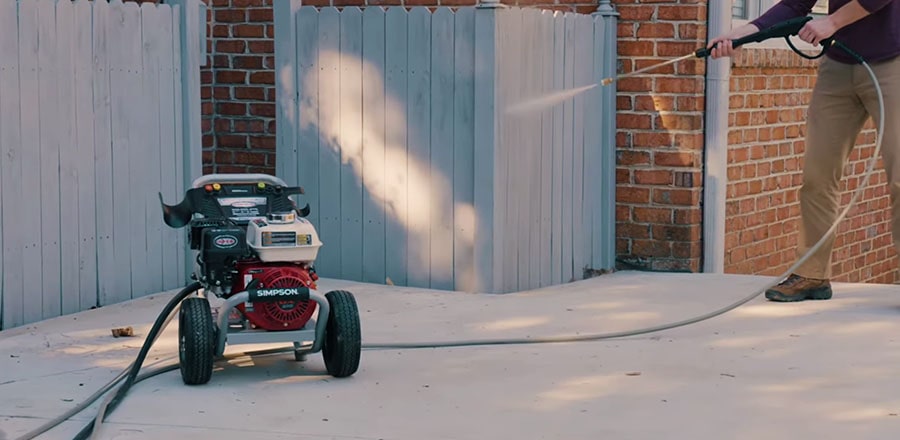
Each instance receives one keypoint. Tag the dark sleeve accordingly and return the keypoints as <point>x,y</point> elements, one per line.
<point>788,9</point>
<point>874,5</point>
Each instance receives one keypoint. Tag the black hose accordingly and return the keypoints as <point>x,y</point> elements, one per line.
<point>148,342</point>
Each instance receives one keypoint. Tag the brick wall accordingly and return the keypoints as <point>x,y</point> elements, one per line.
<point>239,81</point>
<point>660,135</point>
<point>770,90</point>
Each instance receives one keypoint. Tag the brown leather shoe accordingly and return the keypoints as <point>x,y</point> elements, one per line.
<point>797,288</point>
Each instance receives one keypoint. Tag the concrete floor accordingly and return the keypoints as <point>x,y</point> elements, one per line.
<point>824,370</point>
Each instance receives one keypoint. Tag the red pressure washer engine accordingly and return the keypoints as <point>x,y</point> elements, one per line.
<point>256,251</point>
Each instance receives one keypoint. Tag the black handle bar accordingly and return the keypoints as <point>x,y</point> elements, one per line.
<point>784,29</point>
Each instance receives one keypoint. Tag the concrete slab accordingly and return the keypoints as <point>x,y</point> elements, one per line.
<point>826,370</point>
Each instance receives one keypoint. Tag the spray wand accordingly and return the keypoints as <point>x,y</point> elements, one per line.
<point>784,29</point>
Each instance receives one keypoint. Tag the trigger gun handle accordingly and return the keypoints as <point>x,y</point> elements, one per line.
<point>784,29</point>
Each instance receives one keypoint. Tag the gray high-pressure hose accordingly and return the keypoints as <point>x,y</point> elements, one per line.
<point>95,424</point>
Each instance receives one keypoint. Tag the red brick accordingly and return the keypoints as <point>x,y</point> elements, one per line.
<point>635,13</point>
<point>656,30</point>
<point>230,15</point>
<point>249,31</point>
<point>231,46</point>
<point>673,159</point>
<point>231,76</point>
<point>248,62</point>
<point>653,177</point>
<point>262,46</point>
<point>633,157</point>
<point>681,12</point>
<point>641,48</point>
<point>250,93</point>
<point>263,142</point>
<point>249,158</point>
<point>231,108</point>
<point>262,78</point>
<point>262,110</point>
<point>261,15</point>
<point>651,248</point>
<point>232,141</point>
<point>632,195</point>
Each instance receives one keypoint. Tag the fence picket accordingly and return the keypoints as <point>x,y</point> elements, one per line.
<point>464,150</point>
<point>12,154</point>
<point>151,40</point>
<point>373,146</point>
<point>166,156</point>
<point>418,170</point>
<point>546,207</point>
<point>441,142</point>
<point>67,211</point>
<point>308,134</point>
<point>328,263</point>
<point>397,216</point>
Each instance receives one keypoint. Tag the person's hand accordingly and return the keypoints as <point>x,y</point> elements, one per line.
<point>817,31</point>
<point>722,45</point>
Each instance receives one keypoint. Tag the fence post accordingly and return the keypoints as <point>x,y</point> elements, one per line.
<point>604,215</point>
<point>192,47</point>
<point>488,252</point>
<point>287,89</point>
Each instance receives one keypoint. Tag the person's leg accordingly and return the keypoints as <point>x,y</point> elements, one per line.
<point>835,118</point>
<point>888,74</point>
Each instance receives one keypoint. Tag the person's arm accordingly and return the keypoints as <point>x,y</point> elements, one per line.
<point>818,30</point>
<point>779,12</point>
<point>784,10</point>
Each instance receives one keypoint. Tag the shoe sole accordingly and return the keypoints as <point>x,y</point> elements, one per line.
<point>821,293</point>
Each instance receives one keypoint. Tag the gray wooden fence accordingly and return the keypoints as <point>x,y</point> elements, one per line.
<point>99,111</point>
<point>395,122</point>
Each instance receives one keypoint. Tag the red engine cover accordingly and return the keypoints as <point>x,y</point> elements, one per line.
<point>276,315</point>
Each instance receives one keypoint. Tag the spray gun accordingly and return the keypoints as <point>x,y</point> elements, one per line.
<point>784,29</point>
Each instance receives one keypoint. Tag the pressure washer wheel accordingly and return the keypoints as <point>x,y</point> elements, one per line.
<point>343,341</point>
<point>196,341</point>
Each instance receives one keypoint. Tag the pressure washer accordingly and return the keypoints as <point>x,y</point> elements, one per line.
<point>256,251</point>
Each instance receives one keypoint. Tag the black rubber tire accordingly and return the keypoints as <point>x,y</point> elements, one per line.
<point>196,341</point>
<point>343,339</point>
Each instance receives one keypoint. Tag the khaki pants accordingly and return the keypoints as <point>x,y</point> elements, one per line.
<point>842,101</point>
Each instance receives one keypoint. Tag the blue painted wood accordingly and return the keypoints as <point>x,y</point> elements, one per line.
<point>506,167</point>
<point>48,58</point>
<point>186,258</point>
<point>67,210</point>
<point>329,259</point>
<point>533,198</point>
<point>488,235</point>
<point>169,83</point>
<point>152,40</point>
<point>583,61</point>
<point>307,83</point>
<point>128,144</point>
<point>464,216</point>
<point>12,151</point>
<point>286,63</point>
<point>556,255</point>
<point>396,172</point>
<point>419,147</point>
<point>546,45</point>
<point>102,47</point>
<point>373,145</point>
<point>351,143</point>
<point>441,141</point>
<point>568,150</point>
